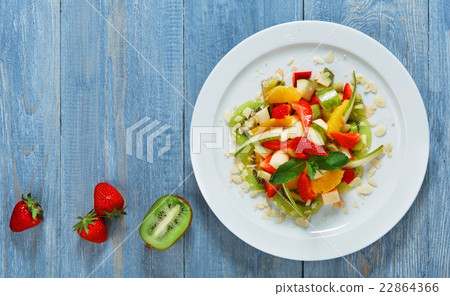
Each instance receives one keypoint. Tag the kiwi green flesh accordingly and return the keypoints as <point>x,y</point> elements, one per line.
<point>165,222</point>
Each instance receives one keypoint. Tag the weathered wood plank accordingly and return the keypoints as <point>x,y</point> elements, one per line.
<point>211,30</point>
<point>437,186</point>
<point>402,27</point>
<point>108,84</point>
<point>29,133</point>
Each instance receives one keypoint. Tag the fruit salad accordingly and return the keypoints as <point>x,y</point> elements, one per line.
<point>302,145</point>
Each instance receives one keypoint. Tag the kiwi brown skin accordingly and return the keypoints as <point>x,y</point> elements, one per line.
<point>190,221</point>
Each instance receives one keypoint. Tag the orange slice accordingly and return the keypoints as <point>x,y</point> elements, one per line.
<point>327,182</point>
<point>288,121</point>
<point>285,122</point>
<point>293,183</point>
<point>258,130</point>
<point>282,94</point>
<point>336,121</point>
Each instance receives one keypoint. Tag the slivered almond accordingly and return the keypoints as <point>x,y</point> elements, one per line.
<point>372,87</point>
<point>340,204</point>
<point>380,131</point>
<point>245,186</point>
<point>302,222</point>
<point>318,60</point>
<point>370,172</point>
<point>356,182</point>
<point>376,163</point>
<point>379,101</point>
<point>360,78</point>
<point>291,60</point>
<point>254,193</point>
<point>370,110</point>
<point>364,189</point>
<point>236,179</point>
<point>329,57</point>
<point>227,116</point>
<point>372,182</point>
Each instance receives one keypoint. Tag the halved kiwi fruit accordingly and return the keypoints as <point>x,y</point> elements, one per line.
<point>165,222</point>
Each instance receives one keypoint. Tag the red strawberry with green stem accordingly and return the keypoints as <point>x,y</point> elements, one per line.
<point>92,228</point>
<point>108,202</point>
<point>26,214</point>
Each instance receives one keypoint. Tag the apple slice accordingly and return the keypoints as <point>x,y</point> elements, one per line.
<point>306,88</point>
<point>331,197</point>
<point>366,158</point>
<point>328,98</point>
<point>272,134</point>
<point>262,115</point>
<point>278,158</point>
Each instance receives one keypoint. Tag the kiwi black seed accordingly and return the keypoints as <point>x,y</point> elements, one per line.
<point>166,221</point>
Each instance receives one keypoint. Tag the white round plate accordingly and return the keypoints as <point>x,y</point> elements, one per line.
<point>236,79</point>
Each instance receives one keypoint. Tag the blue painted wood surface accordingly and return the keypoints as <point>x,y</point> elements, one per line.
<point>74,75</point>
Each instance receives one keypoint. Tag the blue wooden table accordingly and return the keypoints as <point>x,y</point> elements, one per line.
<point>74,75</point>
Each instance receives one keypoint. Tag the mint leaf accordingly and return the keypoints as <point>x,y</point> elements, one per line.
<point>312,167</point>
<point>334,161</point>
<point>288,171</point>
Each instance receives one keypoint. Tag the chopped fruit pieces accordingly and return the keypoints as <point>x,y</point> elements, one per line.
<point>267,166</point>
<point>262,115</point>
<point>293,183</point>
<point>300,75</point>
<point>336,121</point>
<point>303,109</point>
<point>348,177</point>
<point>303,145</point>
<point>307,143</point>
<point>281,111</point>
<point>347,92</point>
<point>328,181</point>
<point>273,122</point>
<point>328,98</point>
<point>305,190</point>
<point>278,158</point>
<point>282,94</point>
<point>347,140</point>
<point>272,144</point>
<point>271,190</point>
<point>314,100</point>
<point>331,197</point>
<point>306,88</point>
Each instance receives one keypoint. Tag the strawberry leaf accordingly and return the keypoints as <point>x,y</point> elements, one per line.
<point>288,171</point>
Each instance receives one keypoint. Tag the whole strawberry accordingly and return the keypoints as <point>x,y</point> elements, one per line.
<point>92,228</point>
<point>26,214</point>
<point>108,202</point>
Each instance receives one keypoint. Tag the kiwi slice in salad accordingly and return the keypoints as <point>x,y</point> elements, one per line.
<point>165,222</point>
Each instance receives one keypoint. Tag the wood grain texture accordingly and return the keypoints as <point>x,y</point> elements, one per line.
<point>211,30</point>
<point>110,50</point>
<point>437,187</point>
<point>29,133</point>
<point>74,75</point>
